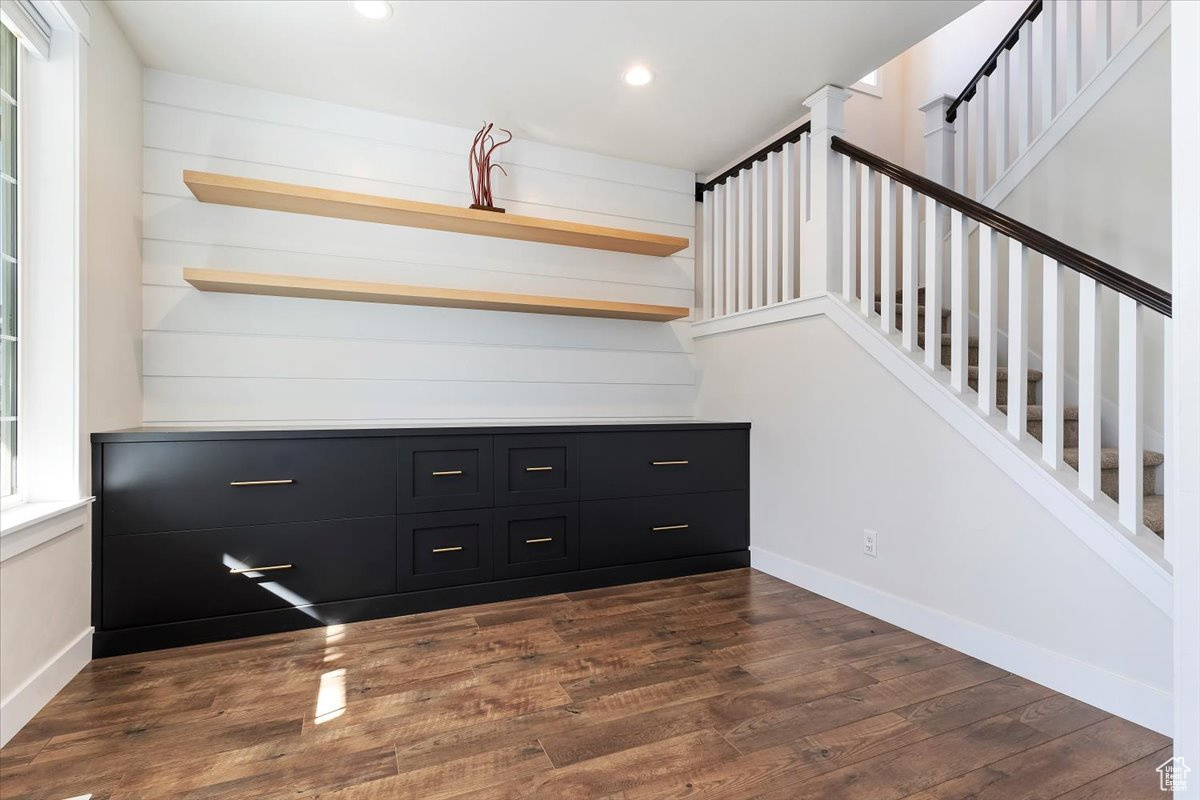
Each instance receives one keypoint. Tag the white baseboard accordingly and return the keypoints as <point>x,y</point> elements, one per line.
<point>1116,694</point>
<point>33,695</point>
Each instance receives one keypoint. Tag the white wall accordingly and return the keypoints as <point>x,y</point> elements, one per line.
<point>232,359</point>
<point>45,592</point>
<point>839,445</point>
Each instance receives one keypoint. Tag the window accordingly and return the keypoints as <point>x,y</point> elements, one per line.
<point>9,59</point>
<point>869,84</point>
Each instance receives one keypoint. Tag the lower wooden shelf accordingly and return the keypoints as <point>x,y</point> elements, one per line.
<point>215,280</point>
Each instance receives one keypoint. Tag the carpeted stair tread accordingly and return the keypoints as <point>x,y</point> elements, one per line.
<point>1034,376</point>
<point>972,341</point>
<point>1154,513</point>
<point>1109,457</point>
<point>1034,412</point>
<point>920,310</point>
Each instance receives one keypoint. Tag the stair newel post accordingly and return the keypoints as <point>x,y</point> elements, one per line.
<point>939,141</point>
<point>1130,414</point>
<point>823,235</point>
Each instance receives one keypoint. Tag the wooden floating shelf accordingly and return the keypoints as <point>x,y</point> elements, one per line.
<point>215,280</point>
<point>229,190</point>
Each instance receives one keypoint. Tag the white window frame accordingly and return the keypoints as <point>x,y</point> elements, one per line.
<point>51,460</point>
<point>15,499</point>
<point>874,87</point>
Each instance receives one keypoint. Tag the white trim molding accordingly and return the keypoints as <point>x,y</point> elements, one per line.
<point>1116,694</point>
<point>1139,559</point>
<point>32,696</point>
<point>32,524</point>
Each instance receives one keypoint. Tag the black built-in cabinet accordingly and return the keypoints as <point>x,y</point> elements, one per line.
<point>208,535</point>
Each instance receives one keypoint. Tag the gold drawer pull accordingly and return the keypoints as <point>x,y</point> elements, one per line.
<point>539,541</point>
<point>278,482</point>
<point>668,528</point>
<point>539,469</point>
<point>443,472</point>
<point>668,463</point>
<point>446,549</point>
<point>272,568</point>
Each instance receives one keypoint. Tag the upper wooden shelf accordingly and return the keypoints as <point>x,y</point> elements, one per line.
<point>215,280</point>
<point>230,190</point>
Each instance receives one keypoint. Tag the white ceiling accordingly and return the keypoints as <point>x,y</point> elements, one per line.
<point>727,74</point>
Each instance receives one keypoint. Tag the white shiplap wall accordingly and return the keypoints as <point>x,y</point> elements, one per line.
<point>212,358</point>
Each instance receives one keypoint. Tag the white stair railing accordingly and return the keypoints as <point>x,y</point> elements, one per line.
<point>1045,59</point>
<point>998,233</point>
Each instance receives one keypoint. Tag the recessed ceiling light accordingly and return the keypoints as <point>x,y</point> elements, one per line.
<point>638,76</point>
<point>373,9</point>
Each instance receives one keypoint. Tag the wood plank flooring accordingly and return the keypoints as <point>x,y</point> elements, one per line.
<point>727,685</point>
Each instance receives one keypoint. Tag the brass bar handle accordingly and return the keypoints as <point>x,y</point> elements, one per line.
<point>669,527</point>
<point>446,549</point>
<point>442,472</point>
<point>539,541</point>
<point>272,568</point>
<point>668,463</point>
<point>276,482</point>
<point>539,469</point>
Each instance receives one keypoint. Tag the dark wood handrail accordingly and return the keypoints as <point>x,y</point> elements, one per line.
<point>1145,293</point>
<point>989,66</point>
<point>789,137</point>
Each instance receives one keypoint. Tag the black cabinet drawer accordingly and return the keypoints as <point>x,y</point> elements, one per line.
<point>172,486</point>
<point>440,473</point>
<point>638,529</point>
<point>539,468</point>
<point>445,549</point>
<point>664,462</point>
<point>536,540</point>
<point>167,577</point>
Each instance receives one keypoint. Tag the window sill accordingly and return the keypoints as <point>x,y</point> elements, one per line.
<point>31,524</point>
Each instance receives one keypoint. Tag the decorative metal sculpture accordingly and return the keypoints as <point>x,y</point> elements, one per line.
<point>480,166</point>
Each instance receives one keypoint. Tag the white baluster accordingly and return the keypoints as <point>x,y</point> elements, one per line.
<point>1089,387</point>
<point>1049,76</point>
<point>1129,415</point>
<point>1169,459</point>
<point>887,254</point>
<point>745,239</point>
<point>774,238</point>
<point>1001,118</point>
<point>962,149</point>
<point>732,206</point>
<point>803,209</point>
<point>1138,13</point>
<point>1024,84</point>
<point>908,263</point>
<point>988,295</point>
<point>1104,38</point>
<point>866,232</point>
<point>719,264</point>
<point>1018,374</point>
<point>707,255</point>
<point>758,236</point>
<point>849,228</point>
<point>1072,46</point>
<point>983,122</point>
<point>935,232</point>
<point>959,326</point>
<point>1052,362</point>
<point>789,211</point>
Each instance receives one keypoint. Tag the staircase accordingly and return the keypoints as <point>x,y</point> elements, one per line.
<point>1152,461</point>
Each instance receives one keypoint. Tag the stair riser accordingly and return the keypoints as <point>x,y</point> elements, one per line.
<point>972,355</point>
<point>1002,390</point>
<point>1070,431</point>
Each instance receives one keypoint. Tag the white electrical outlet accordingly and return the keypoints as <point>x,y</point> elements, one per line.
<point>870,543</point>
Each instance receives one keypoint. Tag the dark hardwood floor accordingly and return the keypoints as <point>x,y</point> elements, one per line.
<point>729,685</point>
